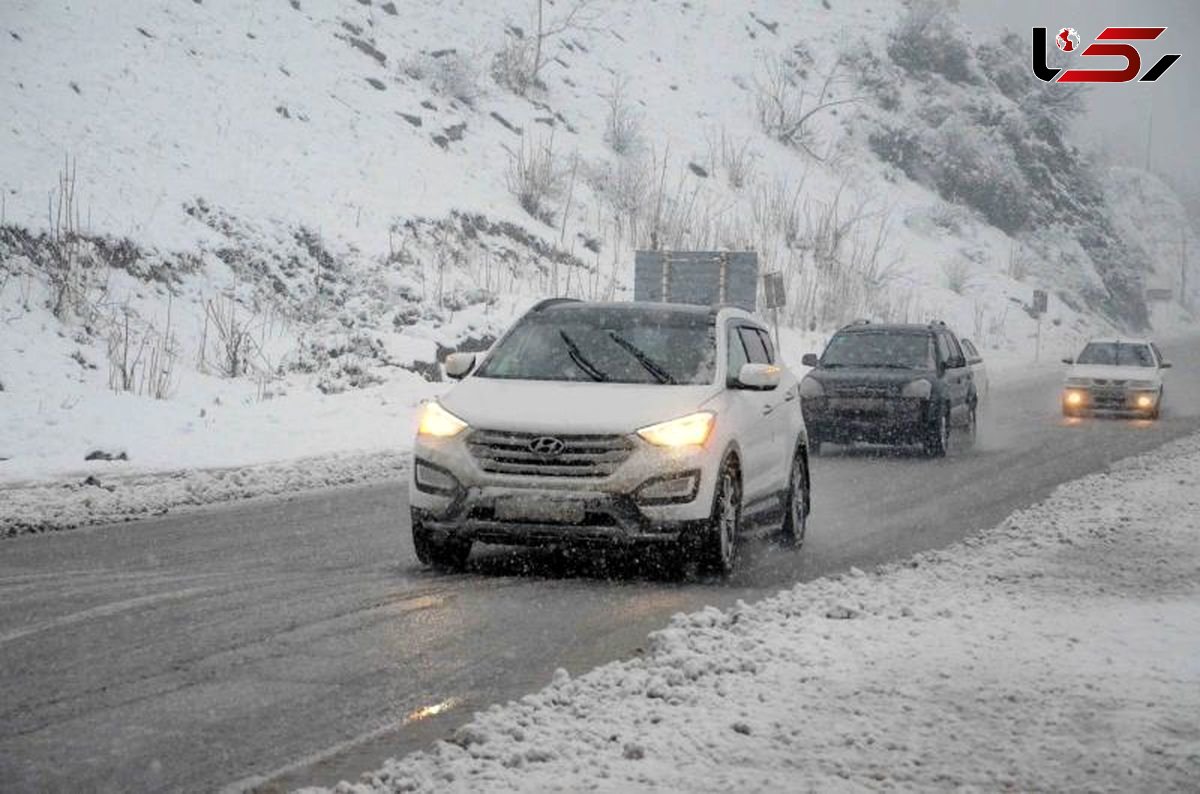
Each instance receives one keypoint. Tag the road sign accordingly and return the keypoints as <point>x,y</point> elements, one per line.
<point>1040,302</point>
<point>774,296</point>
<point>705,278</point>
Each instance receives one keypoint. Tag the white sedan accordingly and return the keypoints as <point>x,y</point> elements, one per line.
<point>1122,376</point>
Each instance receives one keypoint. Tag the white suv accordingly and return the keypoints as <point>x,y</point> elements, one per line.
<point>617,423</point>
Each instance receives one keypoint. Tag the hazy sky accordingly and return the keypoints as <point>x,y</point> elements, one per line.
<point>1119,116</point>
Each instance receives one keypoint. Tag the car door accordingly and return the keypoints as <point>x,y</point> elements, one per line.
<point>956,377</point>
<point>751,415</point>
<point>783,419</point>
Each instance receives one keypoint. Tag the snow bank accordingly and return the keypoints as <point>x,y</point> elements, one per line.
<point>104,499</point>
<point>1057,651</point>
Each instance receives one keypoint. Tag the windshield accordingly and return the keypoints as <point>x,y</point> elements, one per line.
<point>1119,354</point>
<point>886,350</point>
<point>607,345</point>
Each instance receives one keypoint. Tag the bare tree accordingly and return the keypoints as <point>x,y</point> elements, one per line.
<point>623,125</point>
<point>519,64</point>
<point>785,107</point>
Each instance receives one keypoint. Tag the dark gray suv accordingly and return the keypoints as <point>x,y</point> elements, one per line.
<point>889,384</point>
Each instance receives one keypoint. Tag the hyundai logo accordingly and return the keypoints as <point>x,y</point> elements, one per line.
<point>548,446</point>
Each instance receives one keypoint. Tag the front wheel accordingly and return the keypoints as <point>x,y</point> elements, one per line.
<point>973,425</point>
<point>719,539</point>
<point>937,435</point>
<point>795,517</point>
<point>445,555</point>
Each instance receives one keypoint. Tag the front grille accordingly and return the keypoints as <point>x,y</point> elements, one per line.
<point>501,452</point>
<point>864,391</point>
<point>1104,382</point>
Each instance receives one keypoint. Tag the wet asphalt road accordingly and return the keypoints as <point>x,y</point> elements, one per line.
<point>299,641</point>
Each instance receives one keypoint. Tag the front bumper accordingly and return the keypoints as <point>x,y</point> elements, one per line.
<point>1110,400</point>
<point>468,503</point>
<point>884,420</point>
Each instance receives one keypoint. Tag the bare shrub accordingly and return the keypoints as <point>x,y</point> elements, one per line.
<point>518,65</point>
<point>141,358</point>
<point>227,342</point>
<point>512,65</point>
<point>64,269</point>
<point>785,108</point>
<point>736,160</point>
<point>1020,261</point>
<point>623,123</point>
<point>535,177</point>
<point>448,73</point>
<point>957,274</point>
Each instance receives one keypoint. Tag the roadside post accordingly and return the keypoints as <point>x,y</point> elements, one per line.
<point>774,298</point>
<point>1040,304</point>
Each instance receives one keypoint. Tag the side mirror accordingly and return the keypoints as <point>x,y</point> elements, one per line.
<point>1068,361</point>
<point>810,360</point>
<point>1165,365</point>
<point>459,365</point>
<point>759,377</point>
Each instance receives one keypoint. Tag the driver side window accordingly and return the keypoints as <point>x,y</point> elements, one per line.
<point>737,352</point>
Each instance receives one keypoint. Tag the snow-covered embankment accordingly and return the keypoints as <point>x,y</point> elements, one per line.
<point>1060,650</point>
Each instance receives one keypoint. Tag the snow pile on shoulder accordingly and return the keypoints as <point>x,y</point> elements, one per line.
<point>107,499</point>
<point>1058,651</point>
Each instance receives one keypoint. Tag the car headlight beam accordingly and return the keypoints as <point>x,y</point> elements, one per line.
<point>437,422</point>
<point>691,430</point>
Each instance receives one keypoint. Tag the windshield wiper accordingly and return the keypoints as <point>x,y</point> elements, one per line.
<point>660,374</point>
<point>580,360</point>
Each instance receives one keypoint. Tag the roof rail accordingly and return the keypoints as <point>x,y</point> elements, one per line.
<point>860,321</point>
<point>937,323</point>
<point>548,302</point>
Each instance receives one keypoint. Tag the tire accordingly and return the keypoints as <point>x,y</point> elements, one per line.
<point>972,425</point>
<point>1158,406</point>
<point>446,555</point>
<point>795,515</point>
<point>937,435</point>
<point>718,542</point>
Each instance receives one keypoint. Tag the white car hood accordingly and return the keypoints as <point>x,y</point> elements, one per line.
<point>1108,372</point>
<point>571,407</point>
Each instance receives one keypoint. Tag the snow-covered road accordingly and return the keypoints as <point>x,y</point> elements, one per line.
<point>1059,651</point>
<point>299,640</point>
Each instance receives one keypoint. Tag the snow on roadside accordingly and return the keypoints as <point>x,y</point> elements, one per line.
<point>1060,650</point>
<point>101,499</point>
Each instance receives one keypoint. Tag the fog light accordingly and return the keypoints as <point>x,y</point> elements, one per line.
<point>434,479</point>
<point>1145,401</point>
<point>672,489</point>
<point>1074,398</point>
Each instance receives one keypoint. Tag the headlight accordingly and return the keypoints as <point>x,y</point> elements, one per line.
<point>811,387</point>
<point>1145,401</point>
<point>920,389</point>
<point>1079,382</point>
<point>1074,397</point>
<point>436,421</point>
<point>691,430</point>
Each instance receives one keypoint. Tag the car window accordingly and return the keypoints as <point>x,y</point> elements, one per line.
<point>957,359</point>
<point>945,354</point>
<point>755,348</point>
<point>972,354</point>
<point>621,347</point>
<point>879,349</point>
<point>770,348</point>
<point>737,352</point>
<point>1157,353</point>
<point>1117,354</point>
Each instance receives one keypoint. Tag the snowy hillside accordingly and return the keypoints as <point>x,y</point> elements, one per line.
<point>237,232</point>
